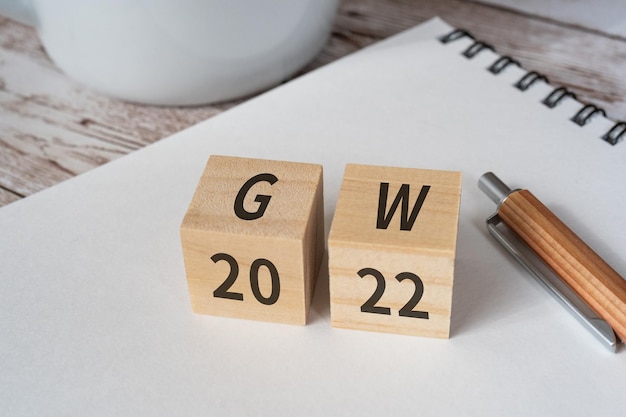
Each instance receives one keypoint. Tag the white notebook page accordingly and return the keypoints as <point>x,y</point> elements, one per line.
<point>94,311</point>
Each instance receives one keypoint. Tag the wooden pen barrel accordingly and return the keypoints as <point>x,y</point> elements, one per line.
<point>571,258</point>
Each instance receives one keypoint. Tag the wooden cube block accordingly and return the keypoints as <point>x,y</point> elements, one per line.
<point>253,239</point>
<point>392,247</point>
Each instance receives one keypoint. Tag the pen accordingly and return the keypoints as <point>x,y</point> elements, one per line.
<point>573,261</point>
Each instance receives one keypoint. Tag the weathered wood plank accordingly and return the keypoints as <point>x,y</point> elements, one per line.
<point>52,128</point>
<point>7,197</point>
<point>604,16</point>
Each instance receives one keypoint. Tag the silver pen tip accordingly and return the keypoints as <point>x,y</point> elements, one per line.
<point>496,190</point>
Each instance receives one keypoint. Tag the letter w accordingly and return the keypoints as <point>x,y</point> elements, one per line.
<point>406,221</point>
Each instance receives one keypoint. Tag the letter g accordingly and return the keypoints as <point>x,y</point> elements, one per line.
<point>263,200</point>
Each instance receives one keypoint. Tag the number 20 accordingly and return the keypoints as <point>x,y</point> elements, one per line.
<point>223,290</point>
<point>407,311</point>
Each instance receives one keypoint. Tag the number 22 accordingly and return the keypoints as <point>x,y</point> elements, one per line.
<point>407,311</point>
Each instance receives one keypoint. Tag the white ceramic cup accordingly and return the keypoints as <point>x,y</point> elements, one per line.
<point>178,52</point>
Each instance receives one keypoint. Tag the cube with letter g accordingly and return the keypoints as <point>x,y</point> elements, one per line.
<point>253,239</point>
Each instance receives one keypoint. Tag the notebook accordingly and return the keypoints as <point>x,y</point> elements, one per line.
<point>95,316</point>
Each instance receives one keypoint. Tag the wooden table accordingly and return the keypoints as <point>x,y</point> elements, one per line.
<point>52,129</point>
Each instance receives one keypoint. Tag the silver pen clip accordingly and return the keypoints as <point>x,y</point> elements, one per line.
<point>548,278</point>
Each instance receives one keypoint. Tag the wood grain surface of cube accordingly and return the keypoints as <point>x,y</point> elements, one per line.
<point>392,247</point>
<point>253,239</point>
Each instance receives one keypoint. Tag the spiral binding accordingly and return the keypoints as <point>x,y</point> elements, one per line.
<point>615,134</point>
<point>556,96</point>
<point>581,118</point>
<point>475,48</point>
<point>454,35</point>
<point>584,114</point>
<point>529,79</point>
<point>501,63</point>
